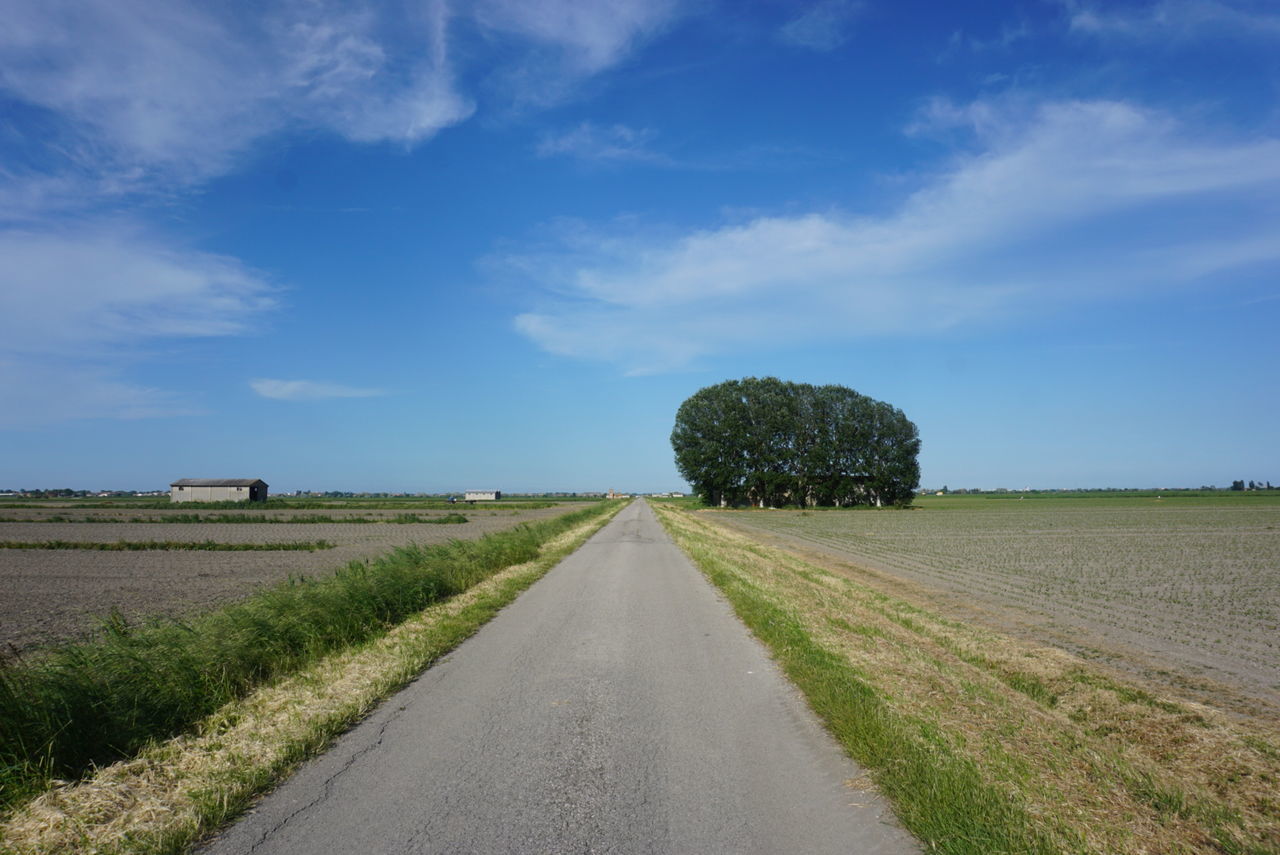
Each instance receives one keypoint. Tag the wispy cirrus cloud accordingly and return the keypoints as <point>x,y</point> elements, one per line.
<point>588,37</point>
<point>138,98</point>
<point>824,26</point>
<point>80,305</point>
<point>1056,204</point>
<point>1177,19</point>
<point>589,141</point>
<point>309,390</point>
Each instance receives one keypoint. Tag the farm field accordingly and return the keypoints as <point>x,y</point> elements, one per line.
<point>53,595</point>
<point>1181,591</point>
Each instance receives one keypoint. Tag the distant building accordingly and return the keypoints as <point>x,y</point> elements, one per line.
<point>218,490</point>
<point>483,495</point>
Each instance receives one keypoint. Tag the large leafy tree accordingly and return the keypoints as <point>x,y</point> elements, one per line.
<point>768,442</point>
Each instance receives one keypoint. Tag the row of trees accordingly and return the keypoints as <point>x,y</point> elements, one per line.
<point>1253,485</point>
<point>769,442</point>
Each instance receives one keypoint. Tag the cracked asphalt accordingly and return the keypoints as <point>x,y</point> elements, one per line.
<point>617,706</point>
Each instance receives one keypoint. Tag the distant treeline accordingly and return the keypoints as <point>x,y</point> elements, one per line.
<point>769,442</point>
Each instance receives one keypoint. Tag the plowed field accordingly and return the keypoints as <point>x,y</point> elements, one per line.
<point>1182,591</point>
<point>50,595</point>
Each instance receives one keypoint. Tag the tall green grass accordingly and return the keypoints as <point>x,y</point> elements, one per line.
<point>80,705</point>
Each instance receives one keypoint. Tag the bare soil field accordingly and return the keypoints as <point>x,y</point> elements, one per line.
<point>54,595</point>
<point>1183,592</point>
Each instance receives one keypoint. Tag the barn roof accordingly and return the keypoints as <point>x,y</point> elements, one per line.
<point>217,482</point>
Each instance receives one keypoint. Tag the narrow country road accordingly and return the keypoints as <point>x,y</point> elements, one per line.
<point>617,706</point>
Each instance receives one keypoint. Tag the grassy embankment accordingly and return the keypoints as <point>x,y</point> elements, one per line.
<point>147,545</point>
<point>985,744</point>
<point>274,668</point>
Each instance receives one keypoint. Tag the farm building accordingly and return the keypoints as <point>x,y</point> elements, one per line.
<point>483,495</point>
<point>218,490</point>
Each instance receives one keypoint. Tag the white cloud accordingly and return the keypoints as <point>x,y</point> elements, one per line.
<point>308,390</point>
<point>79,290</point>
<point>143,97</point>
<point>118,100</point>
<point>78,305</point>
<point>824,26</point>
<point>37,393</point>
<point>590,35</point>
<point>1063,203</point>
<point>589,141</point>
<point>123,96</point>
<point>1179,19</point>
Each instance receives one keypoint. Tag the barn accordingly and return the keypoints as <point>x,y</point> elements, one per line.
<point>483,495</point>
<point>218,490</point>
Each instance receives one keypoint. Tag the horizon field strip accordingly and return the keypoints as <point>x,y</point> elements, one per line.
<point>379,504</point>
<point>247,519</point>
<point>164,545</point>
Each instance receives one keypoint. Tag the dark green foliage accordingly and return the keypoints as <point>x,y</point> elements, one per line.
<point>767,442</point>
<point>80,705</point>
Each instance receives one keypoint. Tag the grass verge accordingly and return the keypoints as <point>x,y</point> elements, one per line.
<point>148,545</point>
<point>986,744</point>
<point>76,707</point>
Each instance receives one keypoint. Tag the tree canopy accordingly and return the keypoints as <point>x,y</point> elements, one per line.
<point>769,442</point>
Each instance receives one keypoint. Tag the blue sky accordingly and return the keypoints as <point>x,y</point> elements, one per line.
<point>428,246</point>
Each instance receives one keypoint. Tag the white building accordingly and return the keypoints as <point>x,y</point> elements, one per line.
<point>218,490</point>
<point>483,495</point>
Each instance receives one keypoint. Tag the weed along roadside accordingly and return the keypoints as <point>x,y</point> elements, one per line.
<point>988,744</point>
<point>166,730</point>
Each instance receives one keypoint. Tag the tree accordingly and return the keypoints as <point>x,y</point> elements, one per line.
<point>768,442</point>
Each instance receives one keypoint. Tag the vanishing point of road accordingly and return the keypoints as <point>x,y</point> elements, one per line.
<point>617,706</point>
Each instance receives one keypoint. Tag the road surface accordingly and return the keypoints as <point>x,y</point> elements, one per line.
<point>617,706</point>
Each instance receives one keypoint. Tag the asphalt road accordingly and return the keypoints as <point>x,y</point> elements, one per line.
<point>617,706</point>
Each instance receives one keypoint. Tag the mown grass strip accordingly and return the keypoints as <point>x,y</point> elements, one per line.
<point>939,796</point>
<point>1085,762</point>
<point>149,545</point>
<point>173,792</point>
<point>88,704</point>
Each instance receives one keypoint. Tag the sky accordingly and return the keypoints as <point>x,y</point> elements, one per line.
<point>427,246</point>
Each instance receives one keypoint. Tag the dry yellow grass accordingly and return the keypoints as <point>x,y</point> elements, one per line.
<point>1100,764</point>
<point>176,791</point>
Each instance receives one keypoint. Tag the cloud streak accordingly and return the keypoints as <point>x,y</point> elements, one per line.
<point>79,305</point>
<point>308,390</point>
<point>589,141</point>
<point>1185,20</point>
<point>1066,203</point>
<point>824,26</point>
